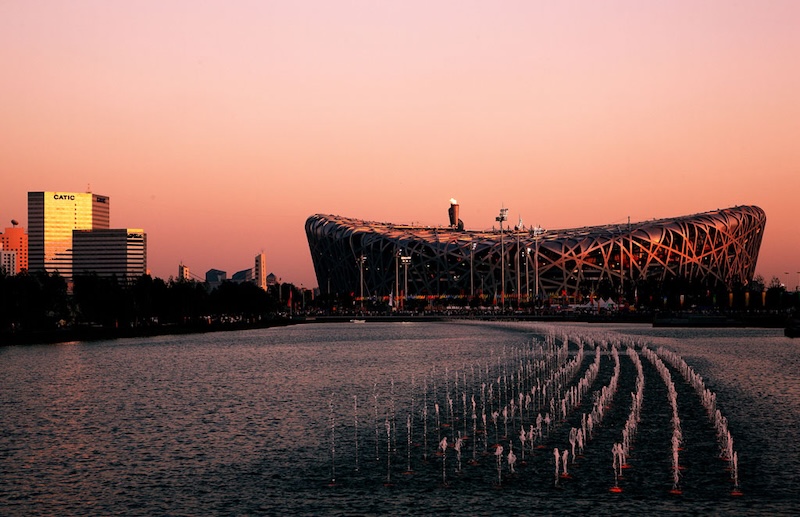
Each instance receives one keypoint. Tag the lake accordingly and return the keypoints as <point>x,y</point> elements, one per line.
<point>341,419</point>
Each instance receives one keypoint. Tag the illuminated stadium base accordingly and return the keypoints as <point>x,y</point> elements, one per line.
<point>714,249</point>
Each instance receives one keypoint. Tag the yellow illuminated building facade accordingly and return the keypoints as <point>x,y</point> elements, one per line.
<point>52,216</point>
<point>260,271</point>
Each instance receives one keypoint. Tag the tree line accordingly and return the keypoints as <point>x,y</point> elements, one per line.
<point>31,302</point>
<point>42,301</point>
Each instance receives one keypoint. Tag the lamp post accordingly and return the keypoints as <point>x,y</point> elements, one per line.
<point>361,260</point>
<point>406,260</point>
<point>516,257</point>
<point>621,271</point>
<point>396,279</point>
<point>527,276</point>
<point>500,218</point>
<point>472,270</point>
<point>536,232</point>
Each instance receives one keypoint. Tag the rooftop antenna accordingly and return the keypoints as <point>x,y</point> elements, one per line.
<point>88,188</point>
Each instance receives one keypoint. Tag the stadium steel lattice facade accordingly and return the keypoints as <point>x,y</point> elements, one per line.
<point>717,248</point>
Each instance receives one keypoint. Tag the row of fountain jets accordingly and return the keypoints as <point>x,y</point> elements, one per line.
<point>539,383</point>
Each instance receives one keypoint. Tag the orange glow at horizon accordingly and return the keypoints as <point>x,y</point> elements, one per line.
<point>220,128</point>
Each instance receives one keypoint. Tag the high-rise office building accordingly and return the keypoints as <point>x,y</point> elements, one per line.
<point>117,252</point>
<point>260,271</point>
<point>52,216</point>
<point>15,240</point>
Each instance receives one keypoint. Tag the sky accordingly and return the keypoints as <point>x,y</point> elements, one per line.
<point>219,127</point>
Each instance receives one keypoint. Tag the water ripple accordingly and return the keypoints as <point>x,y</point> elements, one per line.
<point>239,423</point>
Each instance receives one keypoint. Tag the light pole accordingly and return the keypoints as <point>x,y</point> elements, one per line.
<point>406,260</point>
<point>396,279</point>
<point>527,276</point>
<point>516,257</point>
<point>536,232</point>
<point>500,218</point>
<point>472,270</point>
<point>361,260</point>
<point>621,271</point>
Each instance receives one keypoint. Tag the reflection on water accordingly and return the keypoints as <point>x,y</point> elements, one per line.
<point>240,423</point>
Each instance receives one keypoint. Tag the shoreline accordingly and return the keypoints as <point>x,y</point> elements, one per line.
<point>69,335</point>
<point>671,320</point>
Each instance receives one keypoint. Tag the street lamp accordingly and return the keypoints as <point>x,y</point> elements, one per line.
<point>303,295</point>
<point>361,259</point>
<point>472,270</point>
<point>527,276</point>
<point>516,257</point>
<point>406,260</point>
<point>396,279</point>
<point>536,233</point>
<point>500,218</point>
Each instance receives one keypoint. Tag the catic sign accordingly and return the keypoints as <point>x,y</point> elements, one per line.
<point>65,197</point>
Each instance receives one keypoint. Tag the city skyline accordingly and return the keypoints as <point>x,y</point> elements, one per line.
<point>222,128</point>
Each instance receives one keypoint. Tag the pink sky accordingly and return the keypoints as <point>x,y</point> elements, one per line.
<point>219,127</point>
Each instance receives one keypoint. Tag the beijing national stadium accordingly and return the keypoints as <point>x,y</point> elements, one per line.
<point>377,260</point>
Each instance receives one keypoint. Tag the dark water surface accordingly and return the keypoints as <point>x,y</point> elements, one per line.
<point>266,422</point>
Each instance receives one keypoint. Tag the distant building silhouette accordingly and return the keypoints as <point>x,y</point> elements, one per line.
<point>215,277</point>
<point>118,252</point>
<point>260,271</point>
<point>14,246</point>
<point>245,275</point>
<point>183,272</point>
<point>8,262</point>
